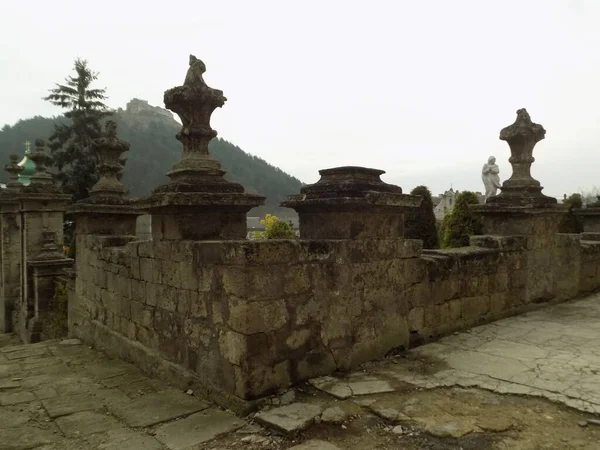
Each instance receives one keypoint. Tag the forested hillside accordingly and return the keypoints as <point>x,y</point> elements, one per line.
<point>154,149</point>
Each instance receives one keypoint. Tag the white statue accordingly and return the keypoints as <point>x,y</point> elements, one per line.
<point>490,177</point>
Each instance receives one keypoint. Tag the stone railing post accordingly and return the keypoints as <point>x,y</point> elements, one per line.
<point>197,203</point>
<point>351,203</point>
<point>521,209</point>
<point>590,219</point>
<point>107,212</point>
<point>41,206</point>
<point>10,245</point>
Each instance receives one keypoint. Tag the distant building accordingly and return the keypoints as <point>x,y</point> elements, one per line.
<point>444,203</point>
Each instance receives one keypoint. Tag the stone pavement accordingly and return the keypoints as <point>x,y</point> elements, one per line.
<point>67,396</point>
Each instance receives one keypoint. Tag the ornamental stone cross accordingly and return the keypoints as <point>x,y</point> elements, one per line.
<point>194,103</point>
<point>108,149</point>
<point>521,189</point>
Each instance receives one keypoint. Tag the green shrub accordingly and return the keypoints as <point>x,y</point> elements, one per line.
<point>56,319</point>
<point>459,225</point>
<point>420,223</point>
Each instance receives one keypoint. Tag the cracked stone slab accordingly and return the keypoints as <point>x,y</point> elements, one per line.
<point>289,418</point>
<point>356,384</point>
<point>156,408</point>
<point>14,398</point>
<point>197,429</point>
<point>26,437</point>
<point>315,445</point>
<point>85,423</point>
<point>62,406</point>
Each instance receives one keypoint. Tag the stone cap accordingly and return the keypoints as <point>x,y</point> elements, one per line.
<point>527,209</point>
<point>350,188</point>
<point>589,211</point>
<point>200,200</point>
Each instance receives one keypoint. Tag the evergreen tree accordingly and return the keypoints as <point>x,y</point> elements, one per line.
<point>461,223</point>
<point>419,223</point>
<point>70,143</point>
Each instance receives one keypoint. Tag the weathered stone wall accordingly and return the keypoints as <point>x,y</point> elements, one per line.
<point>247,318</point>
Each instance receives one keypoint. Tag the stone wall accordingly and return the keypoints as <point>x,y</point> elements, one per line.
<point>245,318</point>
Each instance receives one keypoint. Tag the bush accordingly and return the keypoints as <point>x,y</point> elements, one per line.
<point>570,223</point>
<point>459,225</point>
<point>274,229</point>
<point>420,223</point>
<point>56,319</point>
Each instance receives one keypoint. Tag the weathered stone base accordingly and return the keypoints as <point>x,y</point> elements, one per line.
<point>118,346</point>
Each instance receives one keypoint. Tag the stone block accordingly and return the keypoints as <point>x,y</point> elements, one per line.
<point>321,251</point>
<point>262,380</point>
<point>142,314</point>
<point>455,309</point>
<point>296,279</point>
<point>474,307</point>
<point>257,317</point>
<point>170,273</point>
<point>416,319</point>
<point>147,269</point>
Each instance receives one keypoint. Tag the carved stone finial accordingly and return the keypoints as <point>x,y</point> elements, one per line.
<point>13,170</point>
<point>42,180</point>
<point>108,150</point>
<point>194,103</point>
<point>521,189</point>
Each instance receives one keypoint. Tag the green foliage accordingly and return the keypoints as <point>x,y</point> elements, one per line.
<point>570,223</point>
<point>274,229</point>
<point>71,141</point>
<point>420,223</point>
<point>56,319</point>
<point>153,152</point>
<point>461,223</point>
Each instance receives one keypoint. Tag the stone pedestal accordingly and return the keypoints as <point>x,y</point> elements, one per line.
<point>42,270</point>
<point>198,203</point>
<point>107,211</point>
<point>351,203</point>
<point>590,219</point>
<point>522,210</point>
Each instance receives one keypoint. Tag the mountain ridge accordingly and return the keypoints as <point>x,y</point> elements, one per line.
<point>150,131</point>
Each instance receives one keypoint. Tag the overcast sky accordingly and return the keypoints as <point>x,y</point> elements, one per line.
<point>418,88</point>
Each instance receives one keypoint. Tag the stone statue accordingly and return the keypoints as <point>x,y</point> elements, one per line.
<point>490,177</point>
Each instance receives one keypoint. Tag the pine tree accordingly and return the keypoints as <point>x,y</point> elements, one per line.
<point>419,223</point>
<point>461,223</point>
<point>71,140</point>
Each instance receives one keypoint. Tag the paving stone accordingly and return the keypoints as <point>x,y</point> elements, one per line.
<point>9,384</point>
<point>14,398</point>
<point>70,342</point>
<point>8,370</point>
<point>289,418</point>
<point>450,428</point>
<point>494,425</point>
<point>143,387</point>
<point>359,384</point>
<point>197,428</point>
<point>315,445</point>
<point>61,406</point>
<point>86,422</point>
<point>25,352</point>
<point>108,369</point>
<point>127,378</point>
<point>156,408</point>
<point>26,437</point>
<point>125,439</point>
<point>45,392</point>
<point>12,418</point>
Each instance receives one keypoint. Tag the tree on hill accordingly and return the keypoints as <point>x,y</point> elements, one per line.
<point>570,223</point>
<point>70,143</point>
<point>461,223</point>
<point>419,223</point>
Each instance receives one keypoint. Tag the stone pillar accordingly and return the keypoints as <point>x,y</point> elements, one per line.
<point>42,206</point>
<point>590,219</point>
<point>10,245</point>
<point>351,203</point>
<point>107,212</point>
<point>197,203</point>
<point>522,209</point>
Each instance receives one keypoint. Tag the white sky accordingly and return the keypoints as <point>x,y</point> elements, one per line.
<point>418,88</point>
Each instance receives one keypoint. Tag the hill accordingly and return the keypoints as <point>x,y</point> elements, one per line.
<point>150,131</point>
